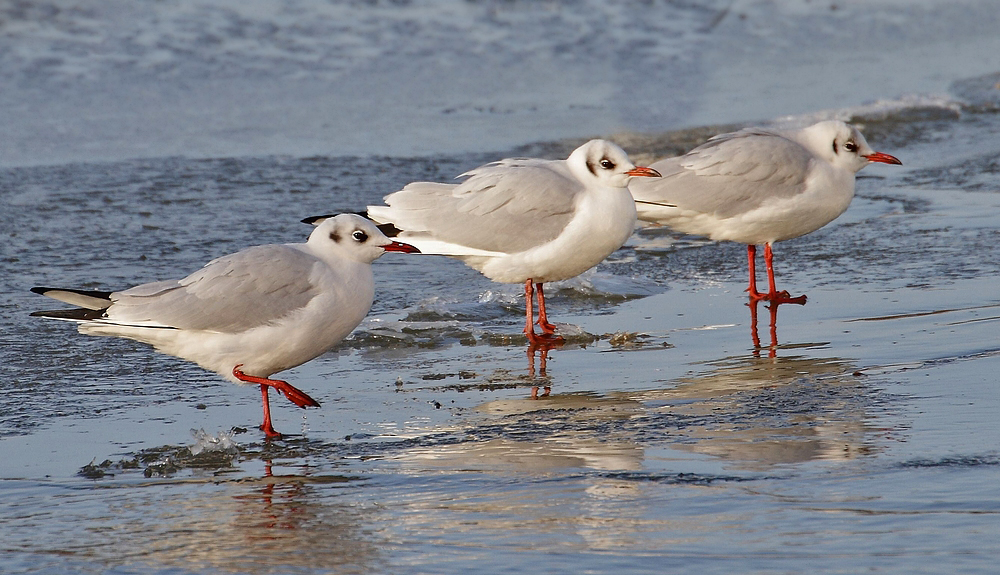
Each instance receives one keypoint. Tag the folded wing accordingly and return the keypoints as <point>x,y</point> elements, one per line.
<point>234,293</point>
<point>508,207</point>
<point>728,175</point>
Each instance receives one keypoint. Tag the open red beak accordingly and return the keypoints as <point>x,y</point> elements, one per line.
<point>644,171</point>
<point>882,158</point>
<point>400,247</point>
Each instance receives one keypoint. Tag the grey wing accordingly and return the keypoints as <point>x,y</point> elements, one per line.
<point>728,175</point>
<point>230,294</point>
<point>510,206</point>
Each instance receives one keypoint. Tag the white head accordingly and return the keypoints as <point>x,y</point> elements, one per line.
<point>842,145</point>
<point>605,163</point>
<point>352,237</point>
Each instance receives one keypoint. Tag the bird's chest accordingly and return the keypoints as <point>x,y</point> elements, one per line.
<point>343,305</point>
<point>604,223</point>
<point>826,197</point>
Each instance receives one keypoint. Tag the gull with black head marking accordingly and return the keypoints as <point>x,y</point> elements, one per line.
<point>524,220</point>
<point>250,314</point>
<point>759,186</point>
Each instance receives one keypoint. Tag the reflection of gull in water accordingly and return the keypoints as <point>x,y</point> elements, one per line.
<point>770,411</point>
<point>263,525</point>
<point>555,452</point>
<point>602,511</point>
<point>758,410</point>
<point>772,325</point>
<point>506,507</point>
<point>567,445</point>
<point>597,408</point>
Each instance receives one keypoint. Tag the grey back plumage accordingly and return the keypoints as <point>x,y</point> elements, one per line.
<point>224,295</point>
<point>534,199</point>
<point>730,174</point>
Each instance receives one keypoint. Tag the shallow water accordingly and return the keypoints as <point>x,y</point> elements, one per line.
<point>677,430</point>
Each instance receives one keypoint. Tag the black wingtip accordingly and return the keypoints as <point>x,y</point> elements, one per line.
<point>76,314</point>
<point>89,293</point>
<point>317,220</point>
<point>389,230</point>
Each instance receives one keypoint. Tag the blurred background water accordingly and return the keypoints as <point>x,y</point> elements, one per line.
<point>677,430</point>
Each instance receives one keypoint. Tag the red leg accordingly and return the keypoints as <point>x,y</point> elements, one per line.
<point>773,294</point>
<point>266,427</point>
<point>543,322</point>
<point>296,396</point>
<point>545,338</point>
<point>769,262</point>
<point>752,265</point>
<point>529,323</point>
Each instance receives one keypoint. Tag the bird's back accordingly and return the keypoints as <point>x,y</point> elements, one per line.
<point>729,175</point>
<point>506,207</point>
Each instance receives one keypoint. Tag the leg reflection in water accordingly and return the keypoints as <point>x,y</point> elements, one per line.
<point>276,506</point>
<point>772,308</point>
<point>542,347</point>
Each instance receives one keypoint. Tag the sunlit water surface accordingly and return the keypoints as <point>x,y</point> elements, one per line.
<point>676,430</point>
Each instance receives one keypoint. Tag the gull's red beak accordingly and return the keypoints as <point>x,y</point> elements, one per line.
<point>400,247</point>
<point>643,171</point>
<point>882,158</point>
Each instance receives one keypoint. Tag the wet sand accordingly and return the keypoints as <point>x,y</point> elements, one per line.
<point>677,429</point>
<point>671,431</point>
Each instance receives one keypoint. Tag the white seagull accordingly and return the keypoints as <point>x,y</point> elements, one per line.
<point>759,186</point>
<point>523,219</point>
<point>250,314</point>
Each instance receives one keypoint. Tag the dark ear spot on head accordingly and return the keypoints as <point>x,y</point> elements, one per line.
<point>592,167</point>
<point>335,236</point>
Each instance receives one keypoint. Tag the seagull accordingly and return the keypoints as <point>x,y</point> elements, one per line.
<point>759,186</point>
<point>250,314</point>
<point>523,220</point>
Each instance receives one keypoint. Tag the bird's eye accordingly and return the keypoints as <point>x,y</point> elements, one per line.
<point>607,164</point>
<point>359,236</point>
<point>851,146</point>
